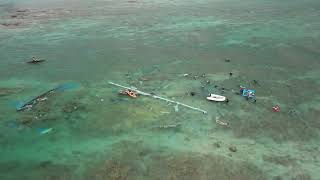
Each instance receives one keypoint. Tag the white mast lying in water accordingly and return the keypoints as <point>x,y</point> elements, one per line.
<point>158,97</point>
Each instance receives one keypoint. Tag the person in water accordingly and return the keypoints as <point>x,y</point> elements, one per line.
<point>242,89</point>
<point>34,59</point>
<point>227,100</point>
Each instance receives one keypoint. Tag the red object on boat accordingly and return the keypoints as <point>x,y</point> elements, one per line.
<point>128,93</point>
<point>276,108</point>
<point>131,93</point>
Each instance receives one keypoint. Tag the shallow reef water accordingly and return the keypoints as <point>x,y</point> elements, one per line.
<point>181,50</point>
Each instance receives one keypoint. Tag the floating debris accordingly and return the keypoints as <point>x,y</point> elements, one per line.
<point>192,93</point>
<point>28,105</point>
<point>176,108</point>
<point>45,130</point>
<point>165,112</point>
<point>168,126</point>
<point>217,144</point>
<point>221,122</point>
<point>227,60</point>
<point>44,96</point>
<point>255,82</point>
<point>233,148</point>
<point>158,97</point>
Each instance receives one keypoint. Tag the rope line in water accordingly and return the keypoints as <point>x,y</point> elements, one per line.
<point>158,97</point>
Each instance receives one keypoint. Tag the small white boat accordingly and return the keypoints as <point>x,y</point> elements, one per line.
<point>215,97</point>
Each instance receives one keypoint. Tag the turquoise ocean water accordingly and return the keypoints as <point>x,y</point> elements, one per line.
<point>170,48</point>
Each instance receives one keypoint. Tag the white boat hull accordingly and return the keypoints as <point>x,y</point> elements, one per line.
<point>215,97</point>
